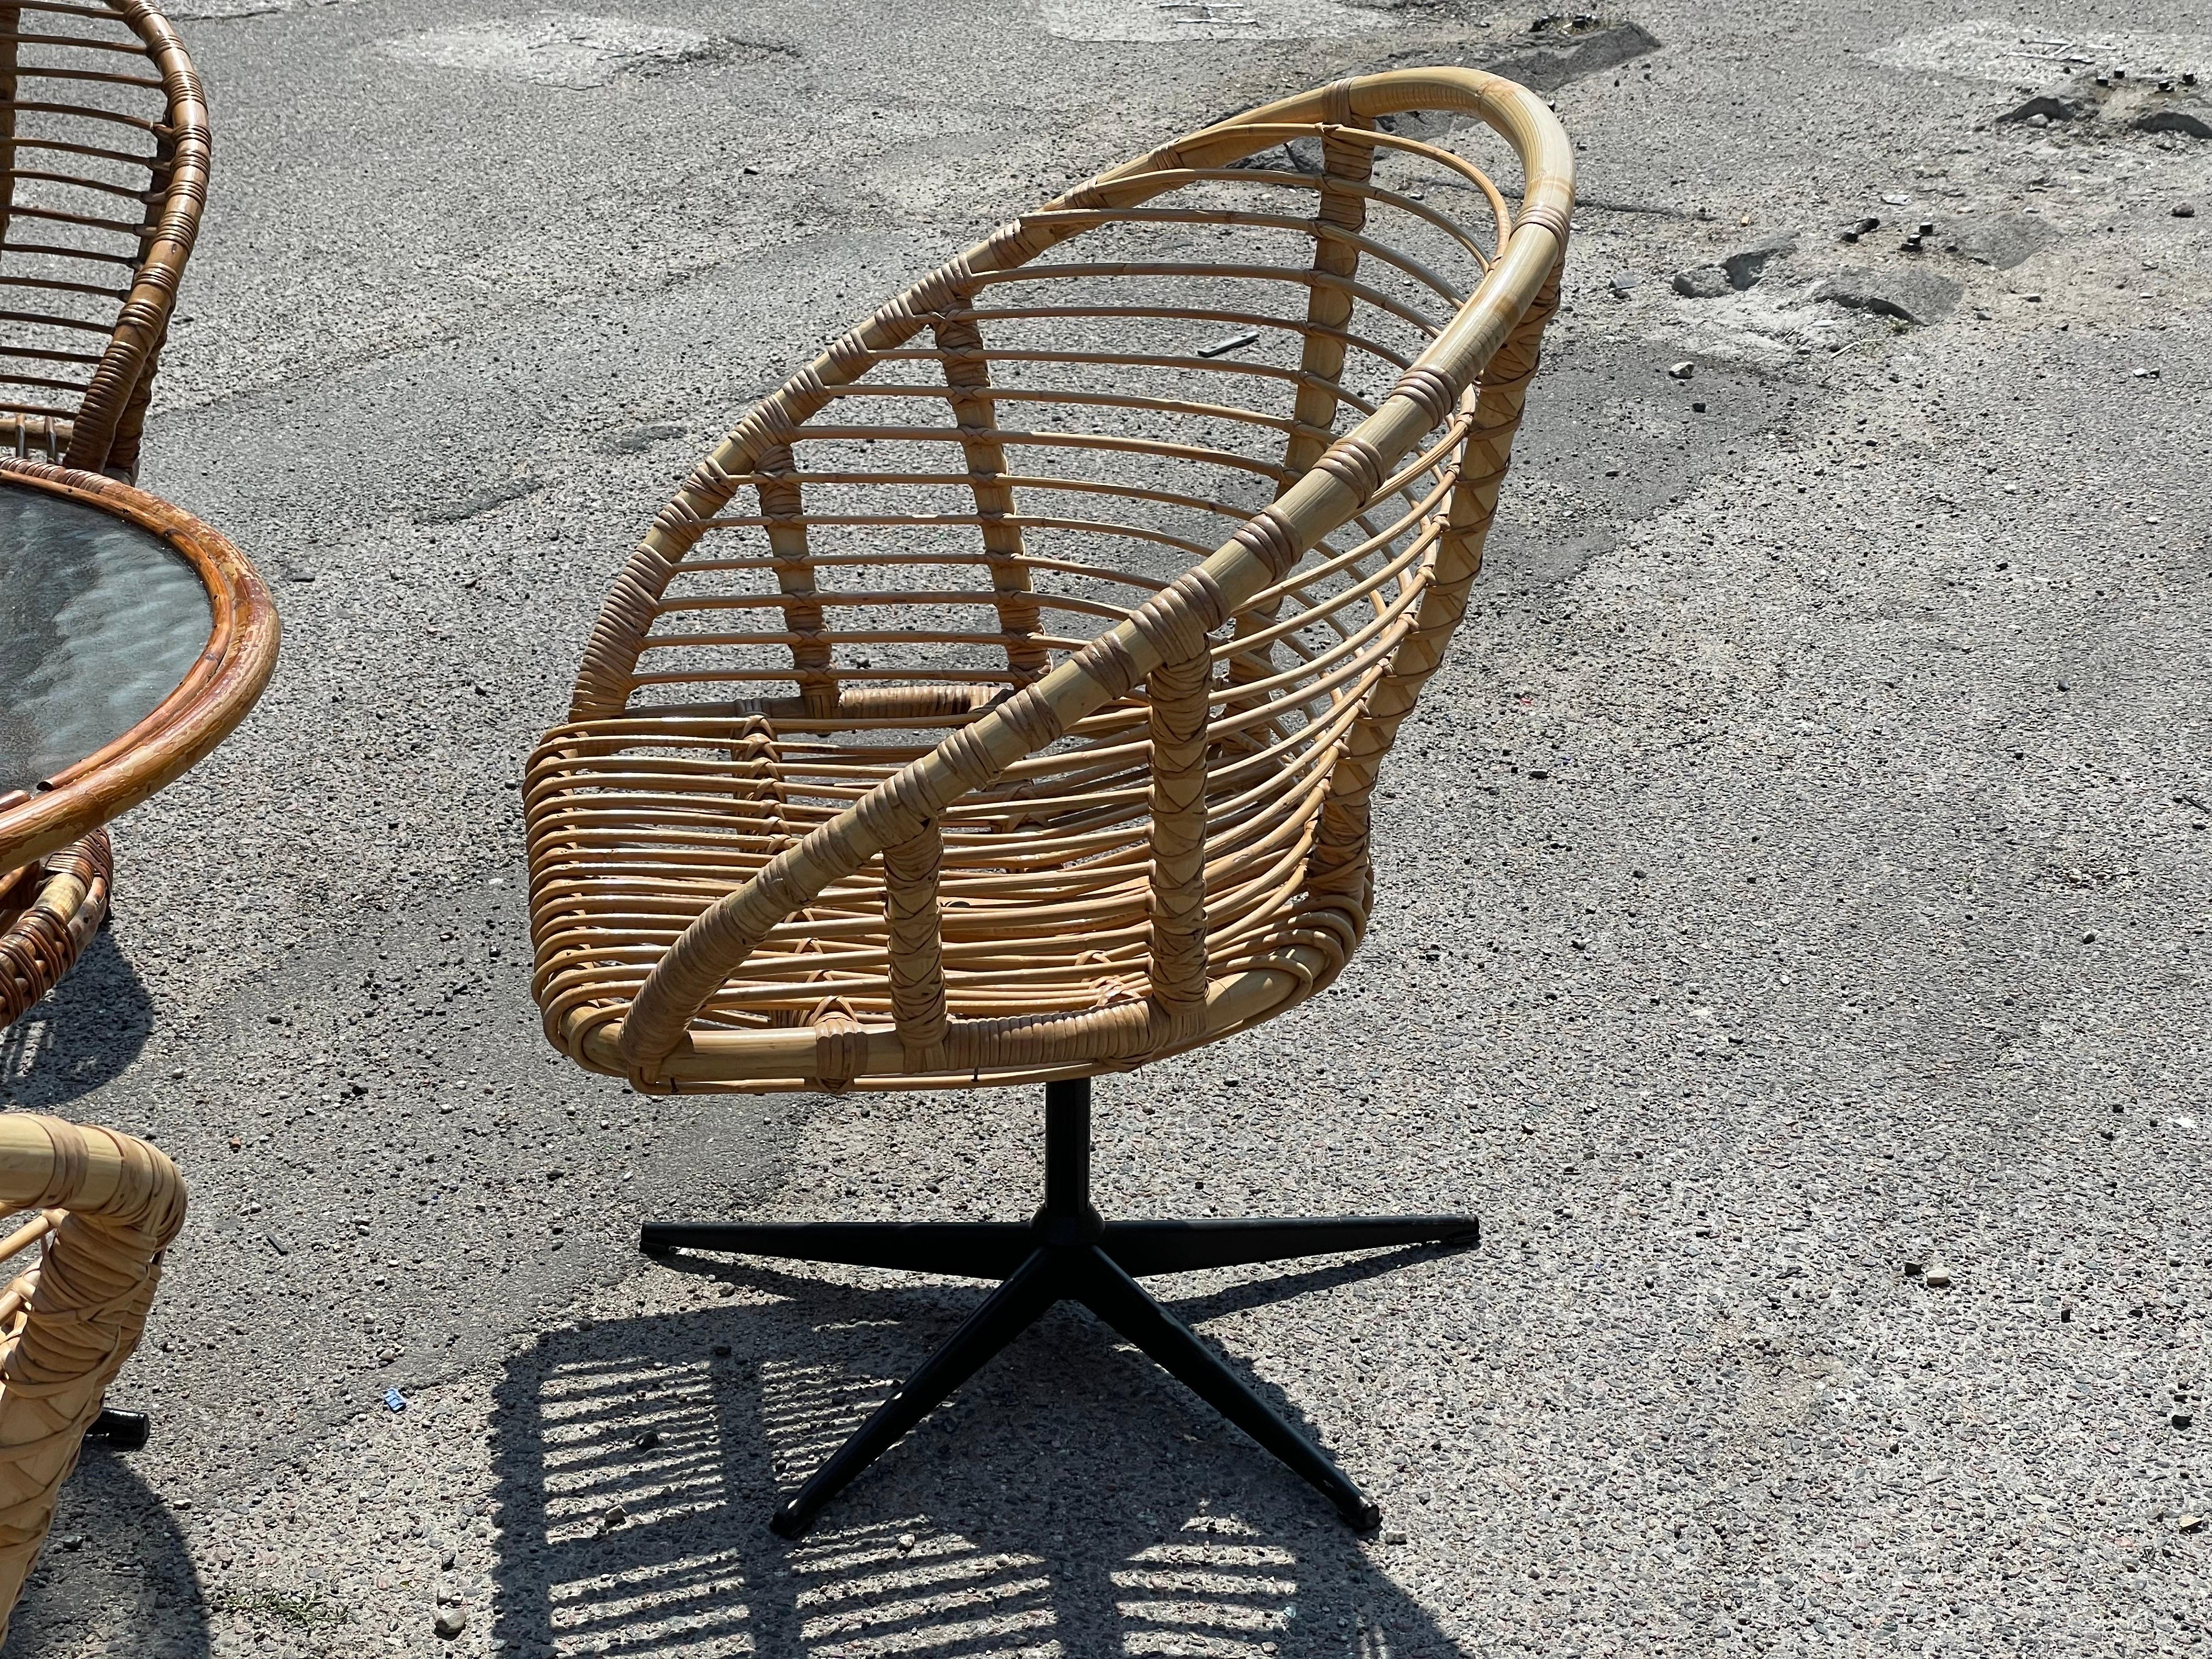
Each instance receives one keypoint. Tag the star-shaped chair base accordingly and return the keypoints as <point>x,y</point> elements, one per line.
<point>1066,1253</point>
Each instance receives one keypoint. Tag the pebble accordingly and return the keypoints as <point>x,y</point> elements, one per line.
<point>2003,240</point>
<point>2182,1419</point>
<point>1681,371</point>
<point>2181,211</point>
<point>905,1542</point>
<point>614,1517</point>
<point>451,1620</point>
<point>1744,267</point>
<point>2192,1523</point>
<point>2185,122</point>
<point>1701,283</point>
<point>1626,283</point>
<point>647,1441</point>
<point>2039,112</point>
<point>1937,1278</point>
<point>1916,296</point>
<point>447,1559</point>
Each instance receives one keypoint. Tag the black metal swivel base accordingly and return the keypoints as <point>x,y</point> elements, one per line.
<point>1066,1253</point>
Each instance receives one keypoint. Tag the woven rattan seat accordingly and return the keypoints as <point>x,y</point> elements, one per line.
<point>1002,700</point>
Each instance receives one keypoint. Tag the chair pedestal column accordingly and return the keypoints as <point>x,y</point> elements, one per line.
<point>1066,1252</point>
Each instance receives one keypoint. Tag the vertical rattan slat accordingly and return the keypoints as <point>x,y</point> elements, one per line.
<point>1179,692</point>
<point>783,503</point>
<point>1497,403</point>
<point>182,157</point>
<point>967,371</point>
<point>1347,165</point>
<point>917,956</point>
<point>11,25</point>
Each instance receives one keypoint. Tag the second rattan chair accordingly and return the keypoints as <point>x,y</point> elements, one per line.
<point>104,136</point>
<point>1001,702</point>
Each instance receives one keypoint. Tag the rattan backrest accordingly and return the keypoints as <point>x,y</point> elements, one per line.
<point>103,141</point>
<point>1123,543</point>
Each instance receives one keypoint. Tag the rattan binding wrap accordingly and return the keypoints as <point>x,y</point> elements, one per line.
<point>49,912</point>
<point>1003,698</point>
<point>108,1206</point>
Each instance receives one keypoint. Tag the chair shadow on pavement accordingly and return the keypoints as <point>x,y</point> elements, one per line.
<point>86,1031</point>
<point>115,1576</point>
<point>1071,1497</point>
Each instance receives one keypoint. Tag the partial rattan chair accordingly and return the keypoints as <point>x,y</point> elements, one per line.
<point>108,1206</point>
<point>1001,702</point>
<point>104,138</point>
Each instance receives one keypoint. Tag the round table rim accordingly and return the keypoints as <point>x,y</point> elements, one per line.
<point>214,695</point>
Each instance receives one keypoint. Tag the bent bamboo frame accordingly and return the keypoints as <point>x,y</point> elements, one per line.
<point>1127,843</point>
<point>48,913</point>
<point>107,1207</point>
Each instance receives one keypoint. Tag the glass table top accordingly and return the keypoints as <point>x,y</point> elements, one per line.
<point>100,620</point>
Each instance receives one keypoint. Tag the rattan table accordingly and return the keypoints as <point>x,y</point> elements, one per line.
<point>135,639</point>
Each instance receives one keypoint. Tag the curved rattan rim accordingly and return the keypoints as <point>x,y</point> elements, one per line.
<point>212,698</point>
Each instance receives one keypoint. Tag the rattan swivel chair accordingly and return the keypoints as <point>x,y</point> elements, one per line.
<point>104,144</point>
<point>1001,700</point>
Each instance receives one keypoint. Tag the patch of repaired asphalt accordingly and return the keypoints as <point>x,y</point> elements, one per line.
<point>1986,51</point>
<point>1161,22</point>
<point>554,49</point>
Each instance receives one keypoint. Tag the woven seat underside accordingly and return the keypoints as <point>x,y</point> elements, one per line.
<point>644,822</point>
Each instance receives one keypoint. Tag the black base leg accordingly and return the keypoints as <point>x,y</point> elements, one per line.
<point>125,1431</point>
<point>1008,1311</point>
<point>1174,1247</point>
<point>967,1249</point>
<point>1118,1299</point>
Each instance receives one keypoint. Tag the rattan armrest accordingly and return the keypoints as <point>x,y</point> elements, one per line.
<point>110,1206</point>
